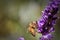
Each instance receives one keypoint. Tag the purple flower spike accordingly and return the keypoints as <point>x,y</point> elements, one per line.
<point>48,20</point>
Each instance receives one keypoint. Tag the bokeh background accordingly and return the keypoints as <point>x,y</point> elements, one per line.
<point>15,15</point>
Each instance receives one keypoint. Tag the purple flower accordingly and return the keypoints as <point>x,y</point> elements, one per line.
<point>21,38</point>
<point>48,20</point>
<point>46,37</point>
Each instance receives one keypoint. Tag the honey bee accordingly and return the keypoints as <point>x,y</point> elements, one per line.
<point>32,28</point>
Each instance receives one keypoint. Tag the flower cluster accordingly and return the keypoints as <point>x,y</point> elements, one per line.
<point>48,20</point>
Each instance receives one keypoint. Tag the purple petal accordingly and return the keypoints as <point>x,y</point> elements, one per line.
<point>39,30</point>
<point>53,22</point>
<point>21,38</point>
<point>51,29</point>
<point>46,37</point>
<point>40,23</point>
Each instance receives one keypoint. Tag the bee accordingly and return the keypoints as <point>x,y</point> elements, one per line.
<point>32,28</point>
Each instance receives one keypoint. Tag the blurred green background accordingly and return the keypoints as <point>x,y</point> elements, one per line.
<point>15,16</point>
